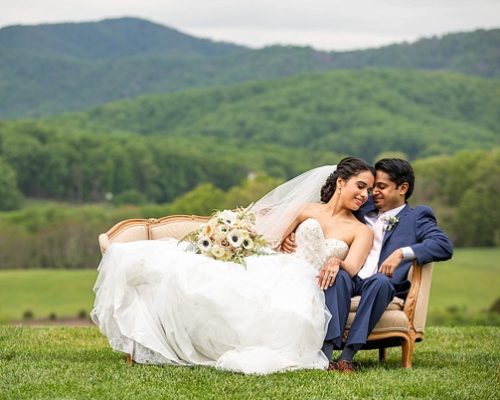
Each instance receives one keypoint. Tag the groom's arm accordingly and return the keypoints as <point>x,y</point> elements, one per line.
<point>433,244</point>
<point>288,245</point>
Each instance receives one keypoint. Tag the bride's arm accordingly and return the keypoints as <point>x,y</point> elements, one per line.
<point>304,214</point>
<point>358,251</point>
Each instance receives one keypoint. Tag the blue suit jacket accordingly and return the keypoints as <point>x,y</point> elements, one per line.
<point>418,229</point>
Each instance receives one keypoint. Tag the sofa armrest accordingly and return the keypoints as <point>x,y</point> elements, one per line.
<point>129,230</point>
<point>417,301</point>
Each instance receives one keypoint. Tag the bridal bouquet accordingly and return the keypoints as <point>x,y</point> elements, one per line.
<point>229,235</point>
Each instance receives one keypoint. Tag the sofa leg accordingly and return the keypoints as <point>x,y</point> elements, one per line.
<point>408,345</point>
<point>382,354</point>
<point>130,360</point>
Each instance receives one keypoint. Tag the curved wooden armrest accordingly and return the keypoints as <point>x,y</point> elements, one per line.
<point>411,300</point>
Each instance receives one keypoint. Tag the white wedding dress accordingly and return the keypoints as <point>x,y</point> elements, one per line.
<point>163,304</point>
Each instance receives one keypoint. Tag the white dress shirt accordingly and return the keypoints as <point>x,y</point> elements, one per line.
<point>378,224</point>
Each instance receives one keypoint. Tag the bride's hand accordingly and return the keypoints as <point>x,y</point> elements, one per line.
<point>328,273</point>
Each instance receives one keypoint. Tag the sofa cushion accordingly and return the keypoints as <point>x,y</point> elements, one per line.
<point>392,320</point>
<point>396,304</point>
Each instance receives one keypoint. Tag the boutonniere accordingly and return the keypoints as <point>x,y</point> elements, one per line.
<point>390,222</point>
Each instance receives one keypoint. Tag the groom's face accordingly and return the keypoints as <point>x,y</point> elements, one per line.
<point>386,195</point>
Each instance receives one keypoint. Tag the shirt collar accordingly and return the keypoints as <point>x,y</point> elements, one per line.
<point>393,212</point>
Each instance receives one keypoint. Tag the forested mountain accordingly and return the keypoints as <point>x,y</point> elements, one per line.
<point>48,69</point>
<point>350,112</point>
<point>108,39</point>
<point>165,145</point>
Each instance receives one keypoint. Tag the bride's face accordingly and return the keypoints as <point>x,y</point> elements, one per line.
<point>354,192</point>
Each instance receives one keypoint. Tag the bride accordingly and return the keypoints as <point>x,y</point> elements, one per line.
<point>161,303</point>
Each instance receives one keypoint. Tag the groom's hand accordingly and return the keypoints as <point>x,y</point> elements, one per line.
<point>288,245</point>
<point>391,263</point>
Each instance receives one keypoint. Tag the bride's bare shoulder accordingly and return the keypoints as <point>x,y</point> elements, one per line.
<point>361,228</point>
<point>311,210</point>
<point>311,207</point>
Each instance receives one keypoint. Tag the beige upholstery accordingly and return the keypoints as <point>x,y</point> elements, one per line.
<point>402,324</point>
<point>176,226</point>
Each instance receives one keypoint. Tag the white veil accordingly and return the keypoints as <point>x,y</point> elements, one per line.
<point>276,210</point>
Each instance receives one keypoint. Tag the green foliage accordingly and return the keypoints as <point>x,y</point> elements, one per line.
<point>344,112</point>
<point>165,145</point>
<point>130,196</point>
<point>251,190</point>
<point>202,200</point>
<point>42,67</point>
<point>58,235</point>
<point>86,167</point>
<point>463,189</point>
<point>10,196</point>
<point>77,363</point>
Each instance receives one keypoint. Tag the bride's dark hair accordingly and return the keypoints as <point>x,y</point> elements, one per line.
<point>346,168</point>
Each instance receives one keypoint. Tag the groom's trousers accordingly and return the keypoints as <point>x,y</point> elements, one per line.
<point>376,293</point>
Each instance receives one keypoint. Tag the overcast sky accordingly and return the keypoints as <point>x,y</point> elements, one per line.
<point>322,24</point>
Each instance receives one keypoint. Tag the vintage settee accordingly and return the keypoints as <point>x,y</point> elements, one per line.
<point>402,324</point>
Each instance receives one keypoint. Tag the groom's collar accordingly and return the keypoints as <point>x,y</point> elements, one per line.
<point>393,212</point>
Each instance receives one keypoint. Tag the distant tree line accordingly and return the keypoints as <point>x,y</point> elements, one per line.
<point>61,235</point>
<point>43,162</point>
<point>463,190</point>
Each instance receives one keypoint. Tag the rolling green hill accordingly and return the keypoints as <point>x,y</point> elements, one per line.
<point>49,69</point>
<point>165,145</point>
<point>349,112</point>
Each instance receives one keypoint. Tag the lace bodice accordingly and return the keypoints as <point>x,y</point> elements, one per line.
<point>314,248</point>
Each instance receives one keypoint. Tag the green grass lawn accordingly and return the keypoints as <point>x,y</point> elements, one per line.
<point>466,285</point>
<point>471,279</point>
<point>77,363</point>
<point>63,292</point>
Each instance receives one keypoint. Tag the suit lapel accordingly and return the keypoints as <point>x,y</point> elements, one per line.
<point>399,215</point>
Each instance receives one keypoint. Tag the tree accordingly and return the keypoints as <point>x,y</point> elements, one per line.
<point>251,190</point>
<point>129,197</point>
<point>478,215</point>
<point>10,196</point>
<point>202,200</point>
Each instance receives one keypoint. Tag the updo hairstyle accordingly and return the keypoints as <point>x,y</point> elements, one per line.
<point>346,168</point>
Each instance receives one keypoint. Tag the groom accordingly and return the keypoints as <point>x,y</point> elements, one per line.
<point>401,234</point>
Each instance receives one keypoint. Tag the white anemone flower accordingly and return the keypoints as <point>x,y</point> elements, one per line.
<point>223,229</point>
<point>217,251</point>
<point>235,237</point>
<point>228,217</point>
<point>247,243</point>
<point>204,243</point>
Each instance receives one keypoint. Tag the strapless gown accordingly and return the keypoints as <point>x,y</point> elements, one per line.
<point>163,304</point>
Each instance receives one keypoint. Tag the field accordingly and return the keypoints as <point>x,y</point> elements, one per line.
<point>77,363</point>
<point>462,289</point>
<point>453,362</point>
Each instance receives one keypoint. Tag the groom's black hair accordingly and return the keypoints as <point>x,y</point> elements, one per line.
<point>346,168</point>
<point>399,171</point>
